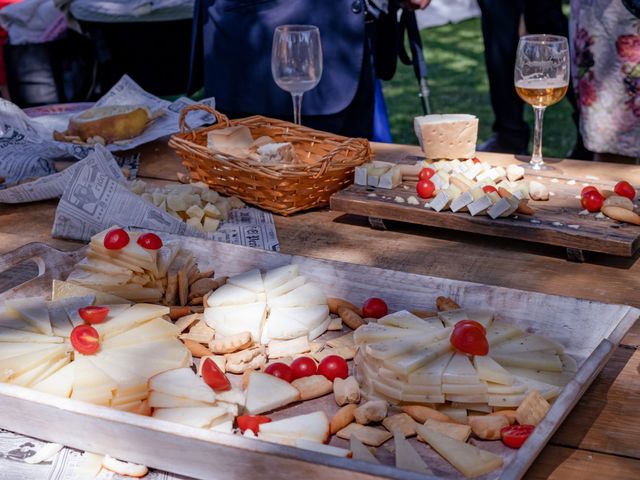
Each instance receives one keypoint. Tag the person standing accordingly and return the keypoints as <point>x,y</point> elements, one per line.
<point>606,75</point>
<point>231,57</point>
<point>500,30</point>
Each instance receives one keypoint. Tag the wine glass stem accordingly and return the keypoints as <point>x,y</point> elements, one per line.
<point>297,108</point>
<point>536,157</point>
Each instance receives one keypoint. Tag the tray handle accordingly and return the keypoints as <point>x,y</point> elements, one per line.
<point>28,253</point>
<point>184,126</point>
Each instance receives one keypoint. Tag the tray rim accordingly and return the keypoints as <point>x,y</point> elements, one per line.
<point>515,468</point>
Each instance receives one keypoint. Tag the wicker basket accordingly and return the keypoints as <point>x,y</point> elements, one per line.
<point>329,162</point>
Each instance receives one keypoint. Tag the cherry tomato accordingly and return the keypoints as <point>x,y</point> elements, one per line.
<point>333,366</point>
<point>280,370</point>
<point>489,189</point>
<point>472,323</point>
<point>374,308</point>
<point>592,201</point>
<point>587,189</point>
<point>425,188</point>
<point>475,160</point>
<point>251,422</point>
<point>515,435</point>
<point>150,241</point>
<point>470,339</point>
<point>214,377</point>
<point>116,239</point>
<point>625,189</point>
<point>85,339</point>
<point>426,173</point>
<point>93,314</point>
<point>303,367</point>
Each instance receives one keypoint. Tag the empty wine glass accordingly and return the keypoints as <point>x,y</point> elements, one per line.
<point>296,61</point>
<point>541,78</point>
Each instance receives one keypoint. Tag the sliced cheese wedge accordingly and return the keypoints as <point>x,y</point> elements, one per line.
<point>405,319</point>
<point>528,343</point>
<point>182,382</point>
<point>229,294</point>
<point>286,287</point>
<point>60,383</point>
<point>129,382</point>
<point>40,372</point>
<point>460,371</point>
<point>251,280</point>
<point>321,447</point>
<point>201,417</point>
<point>491,371</point>
<point>60,322</point>
<point>266,392</point>
<point>319,330</point>
<point>431,373</point>
<point>19,348</point>
<point>468,459</point>
<point>33,311</point>
<point>499,332</point>
<point>14,366</point>
<point>121,320</point>
<point>21,336</point>
<point>11,319</point>
<point>304,296</point>
<point>374,332</point>
<point>61,289</point>
<point>156,329</point>
<point>72,305</point>
<point>230,320</point>
<point>164,400</point>
<point>405,364</point>
<point>533,360</point>
<point>87,376</point>
<point>559,379</point>
<point>311,426</point>
<point>279,276</point>
<point>360,452</point>
<point>406,456</point>
<point>393,348</point>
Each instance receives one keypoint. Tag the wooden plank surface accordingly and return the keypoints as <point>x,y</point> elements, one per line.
<point>556,221</point>
<point>462,256</point>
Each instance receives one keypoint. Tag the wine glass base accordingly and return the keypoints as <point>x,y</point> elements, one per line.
<point>538,168</point>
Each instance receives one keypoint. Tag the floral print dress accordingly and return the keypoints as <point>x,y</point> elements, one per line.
<point>606,75</point>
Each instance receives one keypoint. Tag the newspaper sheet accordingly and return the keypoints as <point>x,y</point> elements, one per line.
<point>27,147</point>
<point>94,199</point>
<point>65,465</point>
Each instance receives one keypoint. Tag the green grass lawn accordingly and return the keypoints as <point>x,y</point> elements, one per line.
<point>458,83</point>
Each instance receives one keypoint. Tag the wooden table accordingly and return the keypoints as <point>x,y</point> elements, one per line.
<point>601,437</point>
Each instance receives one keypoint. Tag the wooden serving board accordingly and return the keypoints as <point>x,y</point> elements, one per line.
<point>589,331</point>
<point>556,221</point>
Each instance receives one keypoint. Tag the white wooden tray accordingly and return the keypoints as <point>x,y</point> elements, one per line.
<point>590,331</point>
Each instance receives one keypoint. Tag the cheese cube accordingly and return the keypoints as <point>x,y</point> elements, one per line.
<point>440,180</point>
<point>462,201</point>
<point>480,205</point>
<point>210,196</point>
<point>210,224</point>
<point>178,202</point>
<point>499,208</point>
<point>194,211</point>
<point>391,179</point>
<point>441,201</point>
<point>360,175</point>
<point>210,210</point>
<point>158,197</point>
<point>373,180</point>
<point>195,223</point>
<point>473,171</point>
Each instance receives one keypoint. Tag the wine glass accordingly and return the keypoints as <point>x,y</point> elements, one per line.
<point>541,78</point>
<point>296,61</point>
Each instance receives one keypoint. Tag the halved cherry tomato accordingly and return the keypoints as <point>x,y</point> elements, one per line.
<point>333,366</point>
<point>214,377</point>
<point>489,189</point>
<point>251,422</point>
<point>587,189</point>
<point>150,241</point>
<point>303,367</point>
<point>469,339</point>
<point>475,160</point>
<point>93,314</point>
<point>116,239</point>
<point>515,435</point>
<point>473,323</point>
<point>425,188</point>
<point>592,201</point>
<point>85,339</point>
<point>426,173</point>
<point>374,308</point>
<point>625,189</point>
<point>280,370</point>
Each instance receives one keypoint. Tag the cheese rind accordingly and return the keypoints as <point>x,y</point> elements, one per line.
<point>447,136</point>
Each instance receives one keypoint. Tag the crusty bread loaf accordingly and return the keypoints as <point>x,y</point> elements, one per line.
<point>234,141</point>
<point>447,136</point>
<point>111,123</point>
<point>277,153</point>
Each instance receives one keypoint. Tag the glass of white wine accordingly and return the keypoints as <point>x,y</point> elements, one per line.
<point>541,79</point>
<point>296,61</point>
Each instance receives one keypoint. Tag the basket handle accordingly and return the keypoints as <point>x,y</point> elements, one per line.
<point>184,126</point>
<point>326,160</point>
